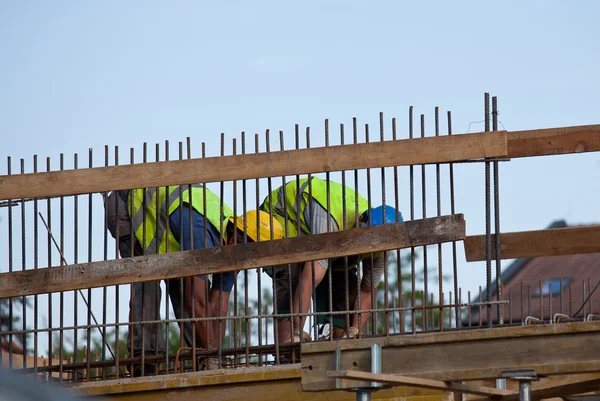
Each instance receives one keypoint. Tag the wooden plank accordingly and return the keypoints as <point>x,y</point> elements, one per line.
<point>461,356</point>
<point>562,390</point>
<point>531,244</point>
<point>291,162</point>
<point>271,383</point>
<point>554,141</point>
<point>234,257</point>
<point>17,361</point>
<point>419,383</point>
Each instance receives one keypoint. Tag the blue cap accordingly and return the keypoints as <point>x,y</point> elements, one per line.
<point>391,215</point>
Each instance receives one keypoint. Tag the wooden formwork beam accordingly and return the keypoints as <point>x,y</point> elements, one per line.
<point>228,168</point>
<point>531,244</point>
<point>271,383</point>
<point>460,356</point>
<point>234,257</point>
<point>398,380</point>
<point>554,141</point>
<point>553,391</point>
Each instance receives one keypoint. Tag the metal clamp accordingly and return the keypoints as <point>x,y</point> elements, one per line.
<point>362,393</point>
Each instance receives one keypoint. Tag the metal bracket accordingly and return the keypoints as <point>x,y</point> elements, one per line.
<point>362,393</point>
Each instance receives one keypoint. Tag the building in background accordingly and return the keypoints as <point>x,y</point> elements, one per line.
<point>544,286</point>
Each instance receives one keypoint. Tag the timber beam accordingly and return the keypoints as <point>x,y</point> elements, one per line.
<point>397,380</point>
<point>460,355</point>
<point>403,152</point>
<point>233,257</point>
<point>552,391</point>
<point>554,141</point>
<point>531,244</point>
<point>269,383</point>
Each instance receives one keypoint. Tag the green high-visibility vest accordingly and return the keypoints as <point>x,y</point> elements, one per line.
<point>293,199</point>
<point>150,209</point>
<point>340,197</point>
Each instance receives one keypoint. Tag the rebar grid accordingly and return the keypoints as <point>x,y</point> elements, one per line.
<point>84,333</point>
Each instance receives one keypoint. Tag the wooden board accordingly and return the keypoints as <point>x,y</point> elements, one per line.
<point>530,244</point>
<point>460,356</point>
<point>16,361</point>
<point>554,141</point>
<point>267,383</point>
<point>274,164</point>
<point>420,383</point>
<point>234,257</point>
<point>562,390</point>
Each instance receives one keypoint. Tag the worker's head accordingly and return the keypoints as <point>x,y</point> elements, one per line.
<point>380,215</point>
<point>258,224</point>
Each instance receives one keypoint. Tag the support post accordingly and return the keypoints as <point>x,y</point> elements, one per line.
<point>524,377</point>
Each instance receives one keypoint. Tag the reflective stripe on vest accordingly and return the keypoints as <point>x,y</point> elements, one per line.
<point>150,227</point>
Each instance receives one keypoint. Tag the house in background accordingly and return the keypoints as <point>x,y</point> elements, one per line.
<point>543,286</point>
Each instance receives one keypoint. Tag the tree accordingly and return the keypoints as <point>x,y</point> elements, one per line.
<point>11,310</point>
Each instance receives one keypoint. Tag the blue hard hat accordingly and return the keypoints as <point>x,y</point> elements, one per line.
<point>391,215</point>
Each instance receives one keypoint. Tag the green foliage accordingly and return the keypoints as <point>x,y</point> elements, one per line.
<point>11,311</point>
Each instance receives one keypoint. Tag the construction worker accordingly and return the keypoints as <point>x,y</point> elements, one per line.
<point>188,226</point>
<point>304,203</point>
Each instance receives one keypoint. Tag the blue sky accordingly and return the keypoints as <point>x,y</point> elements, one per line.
<point>79,75</point>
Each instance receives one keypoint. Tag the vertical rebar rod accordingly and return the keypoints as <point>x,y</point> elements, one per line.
<point>480,306</point>
<point>117,291</point>
<point>344,227</point>
<point>570,301</point>
<point>497,218</point>
<point>62,246</point>
<point>590,300</point>
<point>370,256</point>
<point>10,269</point>
<point>385,253</point>
<point>244,210</point>
<point>453,211</point>
<point>221,217</point>
<point>399,282</point>
<point>131,327</point>
<point>488,224</point>
<point>168,233</point>
<point>246,277</point>
<point>550,301</point>
<point>412,217</point>
<point>424,212</point>
<point>105,257</point>
<point>23,264</point>
<point>329,271</point>
<point>205,234</point>
<point>561,296</point>
<point>288,267</point>
<point>439,213</point>
<point>358,270</point>
<point>469,309</point>
<point>541,299</point>
<point>522,315</point>
<point>528,301</point>
<point>157,241</point>
<point>89,292</point>
<point>75,260</point>
<point>299,285</point>
<point>35,266</point>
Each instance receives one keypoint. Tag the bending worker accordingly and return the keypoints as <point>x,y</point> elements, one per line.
<point>188,226</point>
<point>304,204</point>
